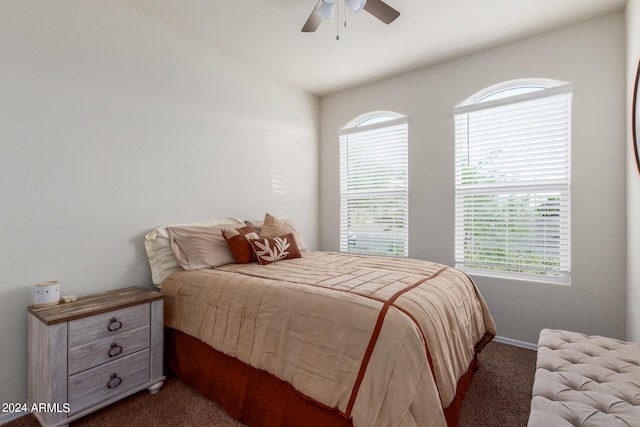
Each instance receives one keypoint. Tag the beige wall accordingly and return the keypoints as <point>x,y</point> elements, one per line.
<point>591,56</point>
<point>111,123</point>
<point>633,180</point>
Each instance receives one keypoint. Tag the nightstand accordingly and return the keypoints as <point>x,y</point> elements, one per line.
<point>89,353</point>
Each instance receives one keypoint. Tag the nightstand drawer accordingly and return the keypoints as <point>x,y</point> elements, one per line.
<point>107,349</point>
<point>108,324</point>
<point>108,380</point>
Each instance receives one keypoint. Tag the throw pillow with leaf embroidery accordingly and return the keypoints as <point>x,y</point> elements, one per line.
<point>274,249</point>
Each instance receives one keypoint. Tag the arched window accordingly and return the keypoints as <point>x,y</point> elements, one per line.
<point>374,185</point>
<point>513,180</point>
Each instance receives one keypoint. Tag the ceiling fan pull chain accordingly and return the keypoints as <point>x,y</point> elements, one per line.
<point>345,14</point>
<point>338,23</point>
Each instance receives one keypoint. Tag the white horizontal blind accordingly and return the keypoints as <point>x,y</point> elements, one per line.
<point>374,189</point>
<point>512,186</point>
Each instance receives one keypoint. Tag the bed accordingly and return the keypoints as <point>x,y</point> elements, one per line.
<point>325,338</point>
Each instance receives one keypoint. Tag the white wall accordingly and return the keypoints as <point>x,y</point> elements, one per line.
<point>591,56</point>
<point>633,180</point>
<point>111,123</point>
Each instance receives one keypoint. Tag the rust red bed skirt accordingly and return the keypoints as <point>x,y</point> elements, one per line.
<point>256,397</point>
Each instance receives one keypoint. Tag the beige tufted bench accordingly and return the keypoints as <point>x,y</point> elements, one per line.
<point>585,381</point>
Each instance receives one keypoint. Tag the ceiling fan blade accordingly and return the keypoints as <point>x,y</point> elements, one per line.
<point>314,20</point>
<point>381,10</point>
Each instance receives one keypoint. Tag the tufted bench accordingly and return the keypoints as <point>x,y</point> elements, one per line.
<point>585,381</point>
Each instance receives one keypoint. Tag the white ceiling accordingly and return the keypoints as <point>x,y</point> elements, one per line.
<point>266,33</point>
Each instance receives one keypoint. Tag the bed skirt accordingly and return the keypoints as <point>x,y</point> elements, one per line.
<point>256,397</point>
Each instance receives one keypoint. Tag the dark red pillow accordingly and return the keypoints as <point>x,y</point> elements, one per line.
<point>239,242</point>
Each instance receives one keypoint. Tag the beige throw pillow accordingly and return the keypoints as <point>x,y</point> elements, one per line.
<point>273,227</point>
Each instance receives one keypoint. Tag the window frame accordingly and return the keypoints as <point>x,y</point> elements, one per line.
<point>398,243</point>
<point>485,100</point>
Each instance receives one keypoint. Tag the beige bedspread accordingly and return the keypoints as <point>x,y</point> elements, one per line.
<point>351,332</point>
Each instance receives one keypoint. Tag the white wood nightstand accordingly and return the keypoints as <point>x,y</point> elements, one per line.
<point>89,353</point>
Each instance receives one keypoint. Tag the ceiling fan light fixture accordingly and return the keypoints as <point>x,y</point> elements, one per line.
<point>356,6</point>
<point>326,9</point>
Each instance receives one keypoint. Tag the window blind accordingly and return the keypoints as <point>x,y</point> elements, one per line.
<point>512,186</point>
<point>374,189</point>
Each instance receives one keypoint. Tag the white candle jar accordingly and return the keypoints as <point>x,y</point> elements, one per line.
<point>46,294</point>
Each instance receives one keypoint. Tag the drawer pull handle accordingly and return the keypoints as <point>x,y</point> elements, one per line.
<point>114,325</point>
<point>115,350</point>
<point>114,381</point>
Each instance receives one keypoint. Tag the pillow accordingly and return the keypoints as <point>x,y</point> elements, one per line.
<point>161,258</point>
<point>269,250</point>
<point>273,227</point>
<point>196,248</point>
<point>256,225</point>
<point>238,241</point>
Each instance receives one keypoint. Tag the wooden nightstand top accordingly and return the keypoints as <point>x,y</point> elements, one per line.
<point>94,304</point>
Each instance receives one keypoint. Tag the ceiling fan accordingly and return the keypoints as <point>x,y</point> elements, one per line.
<point>325,9</point>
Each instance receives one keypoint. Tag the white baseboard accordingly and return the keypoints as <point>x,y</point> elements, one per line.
<point>5,418</point>
<point>516,343</point>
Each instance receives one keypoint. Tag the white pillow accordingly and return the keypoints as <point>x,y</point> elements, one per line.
<point>158,246</point>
